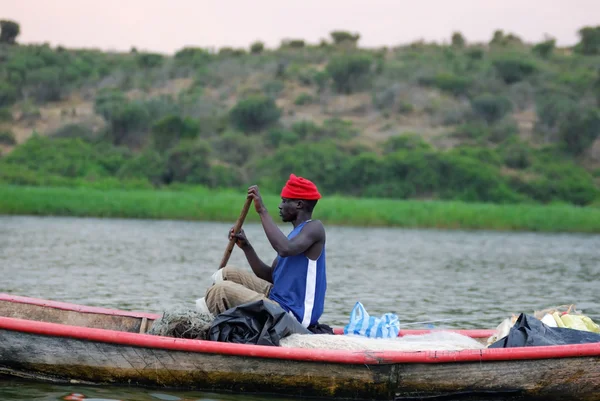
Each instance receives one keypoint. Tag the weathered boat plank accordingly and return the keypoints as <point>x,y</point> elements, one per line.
<point>55,341</point>
<point>66,358</point>
<point>73,318</point>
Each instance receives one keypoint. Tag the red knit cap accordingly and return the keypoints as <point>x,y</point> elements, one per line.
<point>300,188</point>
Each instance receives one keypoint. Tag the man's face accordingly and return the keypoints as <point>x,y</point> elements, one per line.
<point>288,209</point>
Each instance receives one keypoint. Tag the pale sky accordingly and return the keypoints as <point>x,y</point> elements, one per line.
<point>167,26</point>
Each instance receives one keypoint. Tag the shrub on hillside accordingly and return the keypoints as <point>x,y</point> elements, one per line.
<point>544,49</point>
<point>279,136</point>
<point>293,43</point>
<point>45,84</point>
<point>148,165</point>
<point>108,101</point>
<point>491,107</point>
<point>235,147</point>
<point>168,131</point>
<point>193,56</point>
<point>406,141</point>
<point>351,72</point>
<point>589,43</point>
<point>579,129</point>
<point>9,30</point>
<point>303,99</point>
<point>552,108</point>
<point>257,47</point>
<point>132,118</point>
<point>458,40</point>
<point>189,162</point>
<point>8,94</point>
<point>503,130</point>
<point>512,68</point>
<point>342,37</point>
<point>456,85</point>
<point>73,131</point>
<point>5,114</point>
<point>273,88</point>
<point>225,177</point>
<point>65,157</point>
<point>254,113</point>
<point>149,60</point>
<point>517,155</point>
<point>7,138</point>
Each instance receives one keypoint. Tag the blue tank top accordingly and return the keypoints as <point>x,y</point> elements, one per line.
<point>299,284</point>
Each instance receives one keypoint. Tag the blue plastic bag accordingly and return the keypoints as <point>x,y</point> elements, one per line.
<point>362,324</point>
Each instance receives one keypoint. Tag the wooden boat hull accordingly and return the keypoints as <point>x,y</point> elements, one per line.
<point>59,352</point>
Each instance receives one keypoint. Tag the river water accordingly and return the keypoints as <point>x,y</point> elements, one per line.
<point>449,279</point>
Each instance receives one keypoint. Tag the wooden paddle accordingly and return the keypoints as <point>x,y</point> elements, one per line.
<point>236,229</point>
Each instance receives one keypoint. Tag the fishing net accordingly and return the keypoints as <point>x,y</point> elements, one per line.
<point>182,323</point>
<point>437,341</point>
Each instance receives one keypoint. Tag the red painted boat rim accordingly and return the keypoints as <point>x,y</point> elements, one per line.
<point>283,353</point>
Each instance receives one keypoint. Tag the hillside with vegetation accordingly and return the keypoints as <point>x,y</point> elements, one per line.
<point>502,122</point>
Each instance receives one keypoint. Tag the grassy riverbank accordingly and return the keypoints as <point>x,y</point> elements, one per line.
<point>225,205</point>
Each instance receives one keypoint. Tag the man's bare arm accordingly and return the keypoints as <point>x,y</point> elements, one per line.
<point>312,233</point>
<point>260,268</point>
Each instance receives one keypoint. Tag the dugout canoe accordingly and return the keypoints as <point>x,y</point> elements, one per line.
<point>62,342</point>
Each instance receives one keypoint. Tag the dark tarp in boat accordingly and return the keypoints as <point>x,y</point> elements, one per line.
<point>529,332</point>
<point>258,322</point>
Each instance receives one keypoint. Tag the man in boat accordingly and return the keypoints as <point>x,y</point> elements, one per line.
<point>296,280</point>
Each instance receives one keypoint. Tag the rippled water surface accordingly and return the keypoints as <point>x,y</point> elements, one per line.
<point>456,279</point>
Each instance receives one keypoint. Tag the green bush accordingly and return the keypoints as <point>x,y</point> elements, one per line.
<point>149,60</point>
<point>257,47</point>
<point>7,138</point>
<point>503,130</point>
<point>147,165</point>
<point>589,43</point>
<point>293,43</point>
<point>193,56</point>
<point>475,53</point>
<point>490,107</point>
<point>9,30</point>
<point>456,85</point>
<point>168,131</point>
<point>8,94</point>
<point>278,136</point>
<point>341,37</point>
<point>304,99</point>
<point>512,68</point>
<point>273,88</point>
<point>458,40</point>
<point>45,84</point>
<point>517,155</point>
<point>406,141</point>
<point>579,129</point>
<point>132,118</point>
<point>235,147</point>
<point>305,129</point>
<point>189,162</point>
<point>336,128</point>
<point>544,49</point>
<point>351,72</point>
<point>73,131</point>
<point>6,114</point>
<point>108,101</point>
<point>254,113</point>
<point>64,157</point>
<point>361,173</point>
<point>224,177</point>
<point>484,155</point>
<point>552,108</point>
